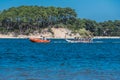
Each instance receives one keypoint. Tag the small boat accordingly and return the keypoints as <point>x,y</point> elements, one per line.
<point>81,40</point>
<point>38,40</point>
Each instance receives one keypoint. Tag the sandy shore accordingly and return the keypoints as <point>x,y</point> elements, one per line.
<point>58,33</point>
<point>56,37</point>
<point>103,37</point>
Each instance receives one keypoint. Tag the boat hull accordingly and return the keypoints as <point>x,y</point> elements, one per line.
<point>78,41</point>
<point>37,40</point>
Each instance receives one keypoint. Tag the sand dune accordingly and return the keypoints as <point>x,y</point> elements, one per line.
<point>57,33</point>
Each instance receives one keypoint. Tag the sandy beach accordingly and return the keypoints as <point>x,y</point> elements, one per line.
<point>58,33</point>
<point>104,37</point>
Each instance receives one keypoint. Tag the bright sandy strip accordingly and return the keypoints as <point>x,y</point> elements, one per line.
<point>58,34</point>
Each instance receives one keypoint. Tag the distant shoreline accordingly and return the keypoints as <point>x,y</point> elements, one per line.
<point>104,37</point>
<point>27,37</point>
<point>58,33</point>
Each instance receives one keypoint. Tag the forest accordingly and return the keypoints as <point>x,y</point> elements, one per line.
<point>27,19</point>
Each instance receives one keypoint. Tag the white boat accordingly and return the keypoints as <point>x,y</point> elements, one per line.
<point>81,40</point>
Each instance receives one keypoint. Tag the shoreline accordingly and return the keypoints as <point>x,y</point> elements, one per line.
<point>57,33</point>
<point>27,37</point>
<point>106,37</point>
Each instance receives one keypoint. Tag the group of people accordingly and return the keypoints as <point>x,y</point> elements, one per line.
<point>82,39</point>
<point>43,38</point>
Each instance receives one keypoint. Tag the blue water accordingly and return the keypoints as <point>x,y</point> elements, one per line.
<point>21,59</point>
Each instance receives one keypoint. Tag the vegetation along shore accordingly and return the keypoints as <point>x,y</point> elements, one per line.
<point>52,22</point>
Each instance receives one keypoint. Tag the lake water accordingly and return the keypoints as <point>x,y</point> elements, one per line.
<point>21,59</point>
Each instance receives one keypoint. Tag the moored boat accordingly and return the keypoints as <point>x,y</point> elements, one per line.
<point>38,40</point>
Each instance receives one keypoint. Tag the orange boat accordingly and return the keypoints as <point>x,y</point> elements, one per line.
<point>38,40</point>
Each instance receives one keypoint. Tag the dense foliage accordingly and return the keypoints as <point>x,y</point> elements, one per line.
<point>27,19</point>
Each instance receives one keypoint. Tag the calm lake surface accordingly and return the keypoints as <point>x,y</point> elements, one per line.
<point>21,59</point>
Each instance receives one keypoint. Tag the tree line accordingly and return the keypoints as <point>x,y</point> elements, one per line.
<point>27,19</point>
